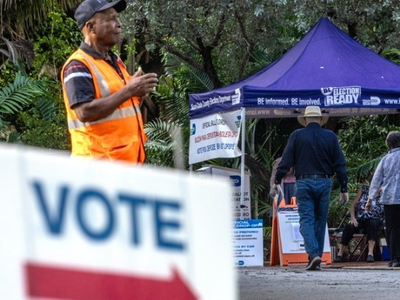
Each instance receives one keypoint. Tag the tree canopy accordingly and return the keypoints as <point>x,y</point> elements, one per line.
<point>222,38</point>
<point>19,18</point>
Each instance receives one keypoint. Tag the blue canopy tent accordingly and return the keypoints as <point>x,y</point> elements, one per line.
<point>326,68</point>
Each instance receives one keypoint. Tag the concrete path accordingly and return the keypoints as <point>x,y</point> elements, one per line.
<point>337,281</point>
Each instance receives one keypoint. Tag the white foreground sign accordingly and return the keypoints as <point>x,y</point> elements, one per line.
<point>80,229</point>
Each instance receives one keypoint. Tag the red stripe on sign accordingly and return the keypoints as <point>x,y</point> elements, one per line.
<point>60,283</point>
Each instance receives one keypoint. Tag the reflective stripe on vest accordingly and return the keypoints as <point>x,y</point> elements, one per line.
<point>104,88</point>
<point>117,114</point>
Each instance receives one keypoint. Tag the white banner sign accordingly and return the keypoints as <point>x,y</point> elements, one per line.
<point>81,229</point>
<point>214,136</point>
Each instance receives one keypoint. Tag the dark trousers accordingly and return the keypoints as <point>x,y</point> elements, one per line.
<point>288,191</point>
<point>371,227</point>
<point>392,218</point>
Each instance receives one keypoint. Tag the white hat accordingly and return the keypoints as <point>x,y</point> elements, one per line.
<point>312,111</point>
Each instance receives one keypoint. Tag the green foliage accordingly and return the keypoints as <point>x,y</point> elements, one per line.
<point>7,75</point>
<point>261,161</point>
<point>363,142</point>
<point>159,148</point>
<point>267,233</point>
<point>44,124</point>
<point>20,19</point>
<point>216,37</point>
<point>373,23</point>
<point>55,40</point>
<point>18,94</point>
<point>173,121</point>
<point>195,80</point>
<point>130,50</point>
<point>392,54</point>
<point>172,100</point>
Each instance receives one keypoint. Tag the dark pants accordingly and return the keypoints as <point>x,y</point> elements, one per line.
<point>392,218</point>
<point>371,226</point>
<point>288,191</point>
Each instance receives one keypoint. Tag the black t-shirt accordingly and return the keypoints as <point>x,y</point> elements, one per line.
<point>78,81</point>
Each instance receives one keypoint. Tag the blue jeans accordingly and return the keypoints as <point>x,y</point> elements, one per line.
<point>312,197</point>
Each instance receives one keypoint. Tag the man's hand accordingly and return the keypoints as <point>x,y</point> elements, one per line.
<point>344,197</point>
<point>368,205</point>
<point>142,84</point>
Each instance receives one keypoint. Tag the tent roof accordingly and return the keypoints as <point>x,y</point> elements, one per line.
<point>326,68</point>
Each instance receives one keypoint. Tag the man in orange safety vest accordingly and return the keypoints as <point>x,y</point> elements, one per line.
<point>102,100</point>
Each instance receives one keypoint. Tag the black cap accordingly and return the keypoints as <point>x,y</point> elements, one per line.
<point>88,8</point>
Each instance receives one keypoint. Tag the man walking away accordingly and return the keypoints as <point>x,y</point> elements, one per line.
<point>315,155</point>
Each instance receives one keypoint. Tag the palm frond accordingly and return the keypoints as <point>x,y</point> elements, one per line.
<point>159,130</point>
<point>199,81</point>
<point>19,94</point>
<point>172,100</point>
<point>11,52</point>
<point>392,54</point>
<point>203,81</point>
<point>14,138</point>
<point>160,146</point>
<point>47,108</point>
<point>19,19</point>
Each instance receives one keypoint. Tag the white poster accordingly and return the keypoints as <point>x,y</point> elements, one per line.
<point>292,240</point>
<point>215,136</point>
<point>248,243</point>
<point>241,211</point>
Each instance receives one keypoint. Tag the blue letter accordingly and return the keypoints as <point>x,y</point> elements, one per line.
<point>53,224</point>
<point>83,197</point>
<point>162,225</point>
<point>134,202</point>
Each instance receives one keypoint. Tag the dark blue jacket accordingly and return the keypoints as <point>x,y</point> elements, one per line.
<point>313,150</point>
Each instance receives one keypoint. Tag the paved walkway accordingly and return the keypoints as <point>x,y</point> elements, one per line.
<point>337,281</point>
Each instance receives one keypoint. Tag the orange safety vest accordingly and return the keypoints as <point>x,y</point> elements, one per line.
<point>119,136</point>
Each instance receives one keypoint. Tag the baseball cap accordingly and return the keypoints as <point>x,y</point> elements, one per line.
<point>88,8</point>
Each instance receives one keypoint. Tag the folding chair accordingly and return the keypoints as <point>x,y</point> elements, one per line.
<point>377,252</point>
<point>340,228</point>
<point>362,243</point>
<point>360,240</point>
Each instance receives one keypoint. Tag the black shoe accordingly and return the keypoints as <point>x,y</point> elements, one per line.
<point>395,263</point>
<point>338,259</point>
<point>314,262</point>
<point>390,264</point>
<point>370,259</point>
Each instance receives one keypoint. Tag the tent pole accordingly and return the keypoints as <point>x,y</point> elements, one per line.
<point>243,119</point>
